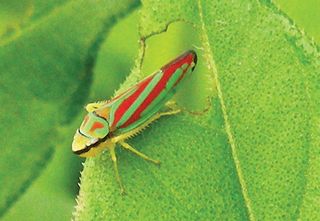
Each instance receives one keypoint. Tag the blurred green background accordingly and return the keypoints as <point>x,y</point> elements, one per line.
<point>52,195</point>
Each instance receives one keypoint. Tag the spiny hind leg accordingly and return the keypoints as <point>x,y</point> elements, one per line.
<point>115,166</point>
<point>138,153</point>
<point>120,138</point>
<point>138,129</point>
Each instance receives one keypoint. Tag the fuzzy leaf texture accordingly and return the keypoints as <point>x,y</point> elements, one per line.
<point>38,85</point>
<point>254,156</point>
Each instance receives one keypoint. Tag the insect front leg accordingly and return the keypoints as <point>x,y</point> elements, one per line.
<point>115,165</point>
<point>138,153</point>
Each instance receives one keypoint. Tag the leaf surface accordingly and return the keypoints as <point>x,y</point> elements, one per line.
<point>41,72</point>
<point>254,156</point>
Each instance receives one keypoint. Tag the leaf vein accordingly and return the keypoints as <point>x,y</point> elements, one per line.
<point>231,138</point>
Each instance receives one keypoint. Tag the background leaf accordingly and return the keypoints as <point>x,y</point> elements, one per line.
<point>254,156</point>
<point>16,15</point>
<point>305,15</point>
<point>37,86</point>
<point>13,15</point>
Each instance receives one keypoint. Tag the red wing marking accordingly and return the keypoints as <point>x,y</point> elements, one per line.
<point>130,100</point>
<point>168,71</point>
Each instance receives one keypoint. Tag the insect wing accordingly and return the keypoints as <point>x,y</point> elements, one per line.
<point>140,102</point>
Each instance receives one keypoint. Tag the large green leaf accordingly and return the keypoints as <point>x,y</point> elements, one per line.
<point>254,156</point>
<point>41,71</point>
<point>15,15</point>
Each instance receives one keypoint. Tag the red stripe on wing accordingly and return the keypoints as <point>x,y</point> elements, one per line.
<point>130,100</point>
<point>168,71</point>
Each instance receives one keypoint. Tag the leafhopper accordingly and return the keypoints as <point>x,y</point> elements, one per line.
<point>114,121</point>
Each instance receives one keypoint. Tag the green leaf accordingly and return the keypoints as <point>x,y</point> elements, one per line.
<point>305,15</point>
<point>13,14</point>
<point>254,156</point>
<point>43,8</point>
<point>41,71</point>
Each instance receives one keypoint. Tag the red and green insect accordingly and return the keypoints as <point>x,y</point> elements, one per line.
<point>114,121</point>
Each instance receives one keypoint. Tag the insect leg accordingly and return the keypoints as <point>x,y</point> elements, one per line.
<point>115,165</point>
<point>172,105</point>
<point>138,153</point>
<point>171,112</point>
<point>120,138</point>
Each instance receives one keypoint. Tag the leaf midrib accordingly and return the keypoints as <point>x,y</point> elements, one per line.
<point>214,72</point>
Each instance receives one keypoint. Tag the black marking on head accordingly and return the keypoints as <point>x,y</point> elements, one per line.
<point>195,59</point>
<point>87,148</point>
<point>100,116</point>
<point>94,145</point>
<point>79,131</point>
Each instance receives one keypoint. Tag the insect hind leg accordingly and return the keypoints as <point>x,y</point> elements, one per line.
<point>115,166</point>
<point>138,153</point>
